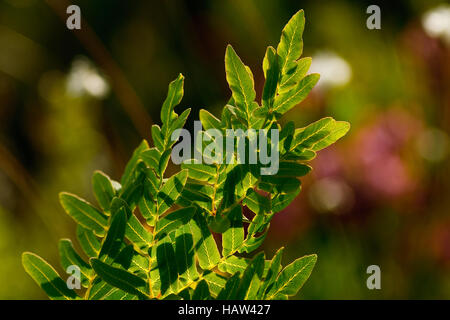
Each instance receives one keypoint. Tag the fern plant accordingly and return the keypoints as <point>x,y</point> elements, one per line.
<point>185,236</point>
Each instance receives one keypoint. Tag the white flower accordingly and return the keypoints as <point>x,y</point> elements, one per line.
<point>334,71</point>
<point>84,78</point>
<point>436,23</point>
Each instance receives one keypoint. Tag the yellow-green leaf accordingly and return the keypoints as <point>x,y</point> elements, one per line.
<point>47,277</point>
<point>292,278</point>
<point>83,213</point>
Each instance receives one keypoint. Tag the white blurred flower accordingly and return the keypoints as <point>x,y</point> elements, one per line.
<point>84,78</point>
<point>330,195</point>
<point>436,23</point>
<point>334,71</point>
<point>433,145</point>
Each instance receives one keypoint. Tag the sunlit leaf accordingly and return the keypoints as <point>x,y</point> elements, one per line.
<point>83,213</point>
<point>241,83</point>
<point>171,190</point>
<point>174,96</point>
<point>113,241</point>
<point>292,277</point>
<point>88,241</point>
<point>204,244</point>
<point>291,44</point>
<point>173,220</point>
<point>69,257</point>
<point>201,292</point>
<point>120,278</point>
<point>233,237</point>
<point>286,101</point>
<point>47,277</point>
<point>103,189</point>
<point>132,163</point>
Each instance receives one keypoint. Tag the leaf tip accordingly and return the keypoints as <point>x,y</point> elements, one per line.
<point>26,255</point>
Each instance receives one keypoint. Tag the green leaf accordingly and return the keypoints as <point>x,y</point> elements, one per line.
<point>258,223</point>
<point>279,185</point>
<point>257,232</point>
<point>272,273</point>
<point>157,137</point>
<point>180,121</point>
<point>233,237</point>
<point>130,168</point>
<point>234,264</point>
<point>118,204</point>
<point>230,291</point>
<point>291,44</point>
<point>218,223</point>
<point>292,169</point>
<point>301,154</point>
<point>177,124</point>
<point>201,292</point>
<point>215,281</point>
<point>100,290</point>
<point>191,196</point>
<point>83,213</point>
<point>155,278</point>
<point>251,278</point>
<point>253,242</point>
<point>339,130</point>
<point>174,96</point>
<point>292,278</point>
<point>124,257</point>
<point>132,191</point>
<point>140,237</point>
<point>185,254</point>
<point>286,101</point>
<point>241,83</point>
<point>163,162</point>
<point>47,277</point>
<point>151,157</point>
<point>320,134</point>
<point>117,294</point>
<point>186,294</point>
<point>231,186</point>
<point>289,80</point>
<point>165,255</point>
<point>120,278</point>
<point>69,257</point>
<point>199,171</point>
<point>271,72</point>
<point>256,202</point>
<point>281,201</point>
<point>204,244</point>
<point>88,241</point>
<point>209,121</point>
<point>173,221</point>
<point>171,190</point>
<point>286,137</point>
<point>139,264</point>
<point>114,238</point>
<point>103,189</point>
<point>249,176</point>
<point>146,204</point>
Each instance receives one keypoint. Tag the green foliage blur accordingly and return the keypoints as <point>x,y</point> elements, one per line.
<point>72,102</point>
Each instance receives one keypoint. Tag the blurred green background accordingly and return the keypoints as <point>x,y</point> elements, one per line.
<point>72,102</point>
